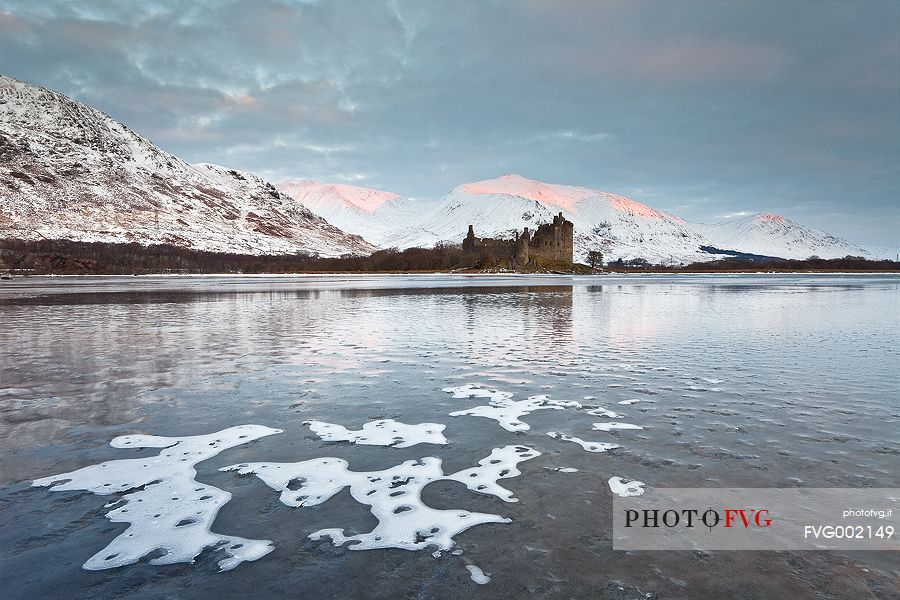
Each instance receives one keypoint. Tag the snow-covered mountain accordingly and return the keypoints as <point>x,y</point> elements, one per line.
<point>382,218</point>
<point>68,171</point>
<point>617,226</point>
<point>884,252</point>
<point>774,235</point>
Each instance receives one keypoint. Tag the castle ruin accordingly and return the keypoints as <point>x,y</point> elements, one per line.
<point>551,245</point>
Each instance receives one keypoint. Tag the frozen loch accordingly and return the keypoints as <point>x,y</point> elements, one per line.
<point>433,436</point>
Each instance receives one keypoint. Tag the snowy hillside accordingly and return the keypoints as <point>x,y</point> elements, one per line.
<point>884,252</point>
<point>380,217</point>
<point>618,226</point>
<point>774,235</point>
<point>69,171</point>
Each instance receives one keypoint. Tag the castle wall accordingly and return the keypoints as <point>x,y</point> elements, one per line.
<point>554,241</point>
<point>551,243</point>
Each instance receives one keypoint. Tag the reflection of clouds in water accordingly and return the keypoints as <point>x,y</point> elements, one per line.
<point>494,375</point>
<point>107,359</point>
<point>631,318</point>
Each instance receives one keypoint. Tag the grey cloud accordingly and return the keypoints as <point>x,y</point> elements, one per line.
<point>699,108</point>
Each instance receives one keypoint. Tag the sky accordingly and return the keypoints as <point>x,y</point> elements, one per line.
<point>706,109</point>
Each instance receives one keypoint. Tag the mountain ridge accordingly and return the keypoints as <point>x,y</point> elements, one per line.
<point>378,216</point>
<point>618,226</point>
<point>70,171</point>
<point>772,234</point>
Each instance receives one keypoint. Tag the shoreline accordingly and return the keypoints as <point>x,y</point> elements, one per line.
<point>485,274</point>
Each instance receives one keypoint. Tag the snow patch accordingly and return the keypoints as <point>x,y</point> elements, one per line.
<point>478,575</point>
<point>603,412</point>
<point>613,425</point>
<point>385,432</point>
<point>394,495</point>
<point>502,408</point>
<point>477,390</point>
<point>168,510</point>
<point>586,445</point>
<point>501,464</point>
<point>618,486</point>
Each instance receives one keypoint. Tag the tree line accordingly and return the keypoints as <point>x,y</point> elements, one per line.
<point>736,264</point>
<point>64,257</point>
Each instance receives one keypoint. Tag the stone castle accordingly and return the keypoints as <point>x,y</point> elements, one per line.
<point>551,245</point>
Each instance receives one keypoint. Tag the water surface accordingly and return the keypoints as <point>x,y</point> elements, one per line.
<point>743,381</point>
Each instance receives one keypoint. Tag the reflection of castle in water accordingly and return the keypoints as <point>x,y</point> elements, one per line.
<point>543,324</point>
<point>551,245</point>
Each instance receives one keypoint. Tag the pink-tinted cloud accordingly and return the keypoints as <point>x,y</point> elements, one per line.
<point>686,61</point>
<point>695,60</point>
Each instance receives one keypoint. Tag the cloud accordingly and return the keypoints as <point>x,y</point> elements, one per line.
<point>569,136</point>
<point>696,61</point>
<point>698,108</point>
<point>733,215</point>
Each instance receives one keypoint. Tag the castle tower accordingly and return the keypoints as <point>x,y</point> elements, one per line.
<point>470,240</point>
<point>553,241</point>
<point>520,251</point>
